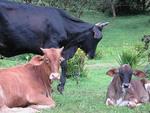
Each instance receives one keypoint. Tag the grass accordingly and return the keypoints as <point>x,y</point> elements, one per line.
<point>89,95</point>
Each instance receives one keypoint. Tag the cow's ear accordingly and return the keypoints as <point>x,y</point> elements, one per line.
<point>37,60</point>
<point>40,60</point>
<point>97,33</point>
<point>139,73</point>
<point>112,72</point>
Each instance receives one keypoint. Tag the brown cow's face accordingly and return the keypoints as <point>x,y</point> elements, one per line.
<point>54,59</point>
<point>125,74</point>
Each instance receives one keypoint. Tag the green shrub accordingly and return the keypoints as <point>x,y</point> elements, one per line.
<point>130,56</point>
<point>147,70</point>
<point>24,57</point>
<point>76,65</point>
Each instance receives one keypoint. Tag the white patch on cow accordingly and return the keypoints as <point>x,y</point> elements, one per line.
<point>147,87</point>
<point>18,110</point>
<point>119,101</point>
<point>139,104</point>
<point>2,95</point>
<point>24,110</point>
<point>54,76</point>
<point>39,107</point>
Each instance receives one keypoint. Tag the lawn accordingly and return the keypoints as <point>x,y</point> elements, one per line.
<point>89,95</point>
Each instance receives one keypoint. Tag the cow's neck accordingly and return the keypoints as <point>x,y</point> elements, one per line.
<point>46,71</point>
<point>76,40</point>
<point>42,72</point>
<point>116,82</point>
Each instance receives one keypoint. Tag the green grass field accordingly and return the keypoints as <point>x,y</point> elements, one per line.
<point>89,95</point>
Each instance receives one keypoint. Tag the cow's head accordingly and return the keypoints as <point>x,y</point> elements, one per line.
<point>125,74</point>
<point>92,38</point>
<point>53,58</point>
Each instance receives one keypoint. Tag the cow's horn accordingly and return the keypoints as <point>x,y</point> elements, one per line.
<point>101,25</point>
<point>62,48</point>
<point>43,50</point>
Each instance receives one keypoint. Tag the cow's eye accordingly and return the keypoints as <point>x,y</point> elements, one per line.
<point>61,59</point>
<point>47,60</point>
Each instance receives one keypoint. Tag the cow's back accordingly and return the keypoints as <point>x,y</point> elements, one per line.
<point>11,88</point>
<point>137,89</point>
<point>15,84</point>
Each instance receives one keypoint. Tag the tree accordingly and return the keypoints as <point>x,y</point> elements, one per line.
<point>112,2</point>
<point>27,1</point>
<point>121,7</point>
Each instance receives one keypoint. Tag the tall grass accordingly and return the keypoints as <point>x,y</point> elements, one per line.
<point>133,58</point>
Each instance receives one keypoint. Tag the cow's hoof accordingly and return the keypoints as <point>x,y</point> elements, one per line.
<point>60,88</point>
<point>109,102</point>
<point>132,104</point>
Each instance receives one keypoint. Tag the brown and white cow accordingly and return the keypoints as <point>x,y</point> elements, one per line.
<point>123,91</point>
<point>30,84</point>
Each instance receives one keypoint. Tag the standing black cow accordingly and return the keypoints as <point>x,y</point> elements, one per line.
<point>27,28</point>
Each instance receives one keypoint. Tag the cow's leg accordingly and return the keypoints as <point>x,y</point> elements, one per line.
<point>133,103</point>
<point>111,95</point>
<point>67,54</point>
<point>40,101</point>
<point>60,86</point>
<point>110,102</point>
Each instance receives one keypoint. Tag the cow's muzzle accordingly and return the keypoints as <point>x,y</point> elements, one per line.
<point>125,85</point>
<point>54,76</point>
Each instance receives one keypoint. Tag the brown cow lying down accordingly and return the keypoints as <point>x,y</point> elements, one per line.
<point>123,91</point>
<point>30,84</point>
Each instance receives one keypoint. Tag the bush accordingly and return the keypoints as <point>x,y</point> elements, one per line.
<point>24,57</point>
<point>130,56</point>
<point>76,7</point>
<point>147,70</point>
<point>76,65</point>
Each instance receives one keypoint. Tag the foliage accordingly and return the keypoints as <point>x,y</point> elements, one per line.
<point>24,57</point>
<point>130,56</point>
<point>123,7</point>
<point>76,65</point>
<point>147,70</point>
<point>146,48</point>
<point>76,7</point>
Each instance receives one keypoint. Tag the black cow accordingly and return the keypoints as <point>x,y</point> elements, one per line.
<point>26,28</point>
